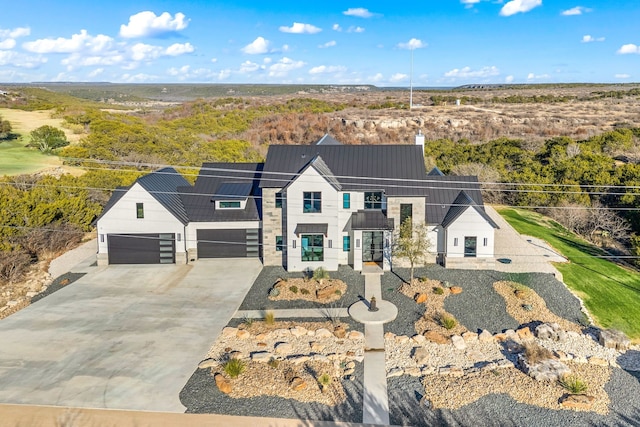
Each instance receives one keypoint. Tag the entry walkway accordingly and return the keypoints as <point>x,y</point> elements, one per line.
<point>375,399</point>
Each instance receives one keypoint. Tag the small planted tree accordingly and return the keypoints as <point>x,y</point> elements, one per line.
<point>47,138</point>
<point>412,243</point>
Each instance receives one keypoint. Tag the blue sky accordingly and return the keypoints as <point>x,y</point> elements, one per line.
<point>453,42</point>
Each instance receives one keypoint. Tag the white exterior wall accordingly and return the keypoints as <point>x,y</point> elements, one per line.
<point>121,219</point>
<point>311,180</point>
<point>344,218</point>
<point>470,224</point>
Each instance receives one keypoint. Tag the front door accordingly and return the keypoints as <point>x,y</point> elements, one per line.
<point>470,244</point>
<point>372,246</point>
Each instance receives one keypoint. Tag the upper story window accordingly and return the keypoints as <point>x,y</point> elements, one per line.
<point>312,202</point>
<point>346,201</point>
<point>373,199</point>
<point>139,210</point>
<point>278,200</point>
<point>406,212</point>
<point>229,205</point>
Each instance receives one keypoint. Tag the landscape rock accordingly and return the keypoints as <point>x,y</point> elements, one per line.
<point>355,335</point>
<point>298,384</point>
<point>222,383</point>
<point>470,337</point>
<point>597,361</point>
<point>612,338</point>
<point>550,331</point>
<point>402,339</point>
<point>418,339</point>
<point>525,334</point>
<point>243,335</point>
<point>436,337</point>
<point>485,336</point>
<point>577,401</point>
<point>455,290</point>
<point>413,371</point>
<point>283,348</point>
<point>420,355</point>
<point>326,292</point>
<point>229,332</point>
<point>261,356</point>
<point>316,346</point>
<point>207,363</point>
<point>339,331</point>
<point>298,331</point>
<point>458,342</point>
<point>421,298</point>
<point>395,372</point>
<point>298,359</point>
<point>237,355</point>
<point>545,370</point>
<point>323,333</point>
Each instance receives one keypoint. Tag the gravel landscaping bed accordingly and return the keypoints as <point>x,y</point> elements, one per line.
<point>502,410</point>
<point>258,296</point>
<point>478,306</point>
<point>59,283</point>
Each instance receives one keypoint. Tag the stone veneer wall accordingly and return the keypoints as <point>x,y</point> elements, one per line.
<point>272,227</point>
<point>418,219</point>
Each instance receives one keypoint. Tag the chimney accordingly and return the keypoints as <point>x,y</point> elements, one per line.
<point>420,140</point>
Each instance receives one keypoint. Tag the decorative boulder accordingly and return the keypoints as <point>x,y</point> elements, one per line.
<point>436,337</point>
<point>455,290</point>
<point>326,292</point>
<point>577,401</point>
<point>550,331</point>
<point>612,338</point>
<point>421,298</point>
<point>222,383</point>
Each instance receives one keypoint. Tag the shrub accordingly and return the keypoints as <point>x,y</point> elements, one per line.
<point>13,266</point>
<point>438,290</point>
<point>338,292</point>
<point>535,353</point>
<point>247,321</point>
<point>320,274</point>
<point>234,367</point>
<point>293,289</point>
<point>447,321</point>
<point>573,383</point>
<point>324,380</point>
<point>269,318</point>
<point>304,291</point>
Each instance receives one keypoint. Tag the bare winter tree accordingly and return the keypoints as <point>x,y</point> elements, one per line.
<point>488,176</point>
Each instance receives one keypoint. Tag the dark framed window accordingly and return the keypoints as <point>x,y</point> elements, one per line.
<point>406,212</point>
<point>373,199</point>
<point>278,200</point>
<point>139,210</point>
<point>312,202</point>
<point>346,201</point>
<point>346,243</point>
<point>279,243</point>
<point>229,205</point>
<point>312,246</point>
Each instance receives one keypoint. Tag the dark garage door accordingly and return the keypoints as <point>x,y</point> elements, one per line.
<point>239,243</point>
<point>141,248</point>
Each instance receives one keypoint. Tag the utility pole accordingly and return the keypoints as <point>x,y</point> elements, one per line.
<point>411,83</point>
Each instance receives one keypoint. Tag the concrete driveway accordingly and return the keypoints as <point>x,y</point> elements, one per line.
<point>125,337</point>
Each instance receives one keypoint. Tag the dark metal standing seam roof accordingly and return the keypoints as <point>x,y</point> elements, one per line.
<point>163,185</point>
<point>328,140</point>
<point>371,220</point>
<point>311,229</point>
<point>461,204</point>
<point>396,169</point>
<point>233,191</point>
<point>442,192</point>
<point>214,181</point>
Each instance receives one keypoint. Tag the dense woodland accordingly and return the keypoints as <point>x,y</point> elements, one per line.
<point>591,186</point>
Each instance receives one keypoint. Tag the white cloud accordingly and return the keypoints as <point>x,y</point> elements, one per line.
<point>508,79</point>
<point>323,69</point>
<point>578,10</point>
<point>300,28</point>
<point>467,72</point>
<point>336,27</point>
<point>82,42</point>
<point>147,24</point>
<point>622,76</point>
<point>282,67</point>
<point>412,44</point>
<point>249,67</point>
<point>376,78</point>
<point>628,49</point>
<point>16,59</point>
<point>519,6</point>
<point>15,33</point>
<point>360,12</point>
<point>178,49</point>
<point>145,52</point>
<point>469,3</point>
<point>137,78</point>
<point>590,39</point>
<point>223,74</point>
<point>532,76</point>
<point>81,60</point>
<point>214,60</point>
<point>7,44</point>
<point>398,77</point>
<point>96,72</point>
<point>328,44</point>
<point>256,47</point>
<point>355,30</point>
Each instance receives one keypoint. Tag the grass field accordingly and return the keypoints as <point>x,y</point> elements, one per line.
<point>15,158</point>
<point>610,292</point>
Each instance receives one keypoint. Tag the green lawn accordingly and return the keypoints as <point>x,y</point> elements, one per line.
<point>610,292</point>
<point>15,159</point>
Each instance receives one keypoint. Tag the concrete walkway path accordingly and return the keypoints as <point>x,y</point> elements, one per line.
<point>375,399</point>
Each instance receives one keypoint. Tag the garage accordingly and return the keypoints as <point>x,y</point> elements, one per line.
<point>229,243</point>
<point>141,248</point>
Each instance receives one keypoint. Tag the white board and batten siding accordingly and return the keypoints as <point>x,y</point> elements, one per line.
<point>470,224</point>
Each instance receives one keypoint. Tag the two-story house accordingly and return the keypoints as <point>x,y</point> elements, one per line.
<point>307,206</point>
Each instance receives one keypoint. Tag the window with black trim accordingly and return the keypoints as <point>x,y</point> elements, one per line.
<point>312,246</point>
<point>139,210</point>
<point>373,199</point>
<point>406,212</point>
<point>346,243</point>
<point>346,201</point>
<point>312,202</point>
<point>278,200</point>
<point>279,243</point>
<point>229,205</point>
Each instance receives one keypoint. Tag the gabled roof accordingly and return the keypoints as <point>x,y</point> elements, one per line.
<point>435,172</point>
<point>396,169</point>
<point>461,204</point>
<point>218,181</point>
<point>321,167</point>
<point>443,191</point>
<point>328,140</point>
<point>164,185</point>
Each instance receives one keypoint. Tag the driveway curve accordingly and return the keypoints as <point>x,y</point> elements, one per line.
<point>121,337</point>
